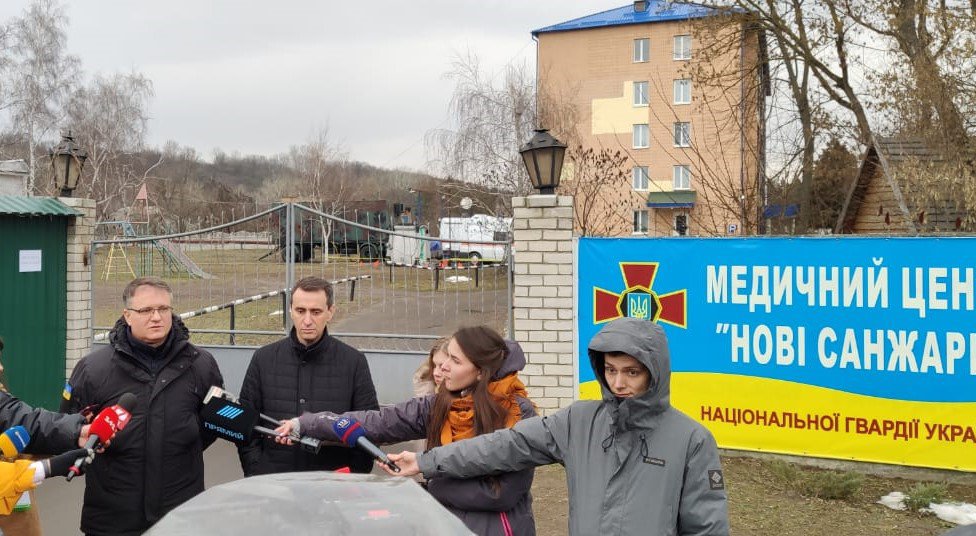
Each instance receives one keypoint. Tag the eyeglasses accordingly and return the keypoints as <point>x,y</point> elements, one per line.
<point>163,310</point>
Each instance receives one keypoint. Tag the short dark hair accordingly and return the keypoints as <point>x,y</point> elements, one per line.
<point>134,285</point>
<point>316,284</point>
<point>1,344</point>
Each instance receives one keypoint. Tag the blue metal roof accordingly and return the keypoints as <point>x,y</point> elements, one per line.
<point>34,206</point>
<point>657,11</point>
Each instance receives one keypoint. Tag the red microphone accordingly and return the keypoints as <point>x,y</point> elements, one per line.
<point>109,422</point>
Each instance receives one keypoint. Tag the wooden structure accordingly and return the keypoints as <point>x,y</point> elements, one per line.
<point>897,191</point>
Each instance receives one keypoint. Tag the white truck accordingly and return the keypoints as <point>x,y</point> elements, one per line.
<point>475,239</point>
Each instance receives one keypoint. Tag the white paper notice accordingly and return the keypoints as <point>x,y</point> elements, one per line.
<point>30,260</point>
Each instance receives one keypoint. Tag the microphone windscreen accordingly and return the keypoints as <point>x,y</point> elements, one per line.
<point>348,430</point>
<point>127,402</point>
<point>14,441</point>
<point>106,424</point>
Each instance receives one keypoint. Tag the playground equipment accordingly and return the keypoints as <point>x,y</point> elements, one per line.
<point>173,259</point>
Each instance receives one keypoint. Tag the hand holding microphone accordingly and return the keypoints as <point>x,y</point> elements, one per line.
<point>352,434</point>
<point>19,476</point>
<point>409,465</point>
<point>106,424</point>
<point>349,432</point>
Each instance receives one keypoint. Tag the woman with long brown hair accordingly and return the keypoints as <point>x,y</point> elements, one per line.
<point>481,393</point>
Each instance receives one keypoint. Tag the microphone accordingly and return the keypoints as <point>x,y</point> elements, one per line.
<point>223,414</point>
<point>352,434</point>
<point>109,422</point>
<point>14,441</point>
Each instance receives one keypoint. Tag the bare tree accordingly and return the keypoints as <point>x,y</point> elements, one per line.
<point>109,118</point>
<point>490,123</point>
<point>598,182</point>
<point>322,179</point>
<point>40,73</point>
<point>927,77</point>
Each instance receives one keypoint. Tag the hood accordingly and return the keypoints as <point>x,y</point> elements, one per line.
<point>646,342</point>
<point>514,361</point>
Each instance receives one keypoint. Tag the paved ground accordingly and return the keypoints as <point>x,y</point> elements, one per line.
<point>60,501</point>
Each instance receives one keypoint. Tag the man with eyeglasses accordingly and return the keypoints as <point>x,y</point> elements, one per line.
<point>156,463</point>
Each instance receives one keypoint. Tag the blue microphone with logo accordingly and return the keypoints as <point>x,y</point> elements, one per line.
<point>14,441</point>
<point>352,434</point>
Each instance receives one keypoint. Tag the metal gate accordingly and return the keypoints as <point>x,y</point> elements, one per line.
<point>229,281</point>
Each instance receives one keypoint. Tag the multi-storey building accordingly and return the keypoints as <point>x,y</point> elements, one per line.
<point>678,89</point>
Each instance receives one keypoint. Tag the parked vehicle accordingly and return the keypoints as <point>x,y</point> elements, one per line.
<point>475,238</point>
<point>343,238</point>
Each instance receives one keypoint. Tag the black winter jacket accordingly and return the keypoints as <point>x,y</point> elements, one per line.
<point>50,433</point>
<point>156,462</point>
<point>286,379</point>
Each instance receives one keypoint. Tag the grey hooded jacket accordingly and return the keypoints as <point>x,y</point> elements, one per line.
<point>485,505</point>
<point>633,466</point>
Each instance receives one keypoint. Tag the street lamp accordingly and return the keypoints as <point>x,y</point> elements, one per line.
<point>543,157</point>
<point>67,160</point>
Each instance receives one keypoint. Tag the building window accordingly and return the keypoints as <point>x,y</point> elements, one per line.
<point>682,91</point>
<point>640,221</point>
<point>642,49</point>
<point>681,224</point>
<point>682,47</point>
<point>682,177</point>
<point>641,180</point>
<point>642,136</point>
<point>640,93</point>
<point>682,134</point>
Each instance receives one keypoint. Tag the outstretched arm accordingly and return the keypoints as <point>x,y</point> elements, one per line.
<point>389,424</point>
<point>531,442</point>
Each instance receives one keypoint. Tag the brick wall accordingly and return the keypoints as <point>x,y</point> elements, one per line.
<point>81,231</point>
<point>543,297</point>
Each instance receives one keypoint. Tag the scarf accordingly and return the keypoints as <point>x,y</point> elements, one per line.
<point>460,418</point>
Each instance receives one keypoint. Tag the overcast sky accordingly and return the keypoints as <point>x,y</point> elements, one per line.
<point>245,76</point>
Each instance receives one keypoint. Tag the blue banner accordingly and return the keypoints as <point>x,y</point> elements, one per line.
<point>886,320</point>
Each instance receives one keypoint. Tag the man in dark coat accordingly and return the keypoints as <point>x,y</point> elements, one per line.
<point>156,462</point>
<point>307,371</point>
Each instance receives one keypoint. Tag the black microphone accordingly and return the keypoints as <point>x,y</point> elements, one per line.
<point>107,423</point>
<point>352,434</point>
<point>223,414</point>
<point>308,444</point>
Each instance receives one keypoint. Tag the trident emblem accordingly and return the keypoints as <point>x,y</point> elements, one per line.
<point>638,300</point>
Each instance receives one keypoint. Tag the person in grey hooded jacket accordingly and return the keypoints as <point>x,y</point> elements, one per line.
<point>634,464</point>
<point>491,506</point>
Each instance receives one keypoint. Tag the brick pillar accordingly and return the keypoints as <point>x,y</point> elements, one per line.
<point>543,297</point>
<point>81,231</point>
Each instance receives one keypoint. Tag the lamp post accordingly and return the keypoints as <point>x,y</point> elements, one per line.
<point>67,161</point>
<point>543,157</point>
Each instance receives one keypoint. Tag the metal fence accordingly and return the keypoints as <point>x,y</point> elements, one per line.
<point>395,290</point>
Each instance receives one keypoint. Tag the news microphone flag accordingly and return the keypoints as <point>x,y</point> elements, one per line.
<point>352,434</point>
<point>230,420</point>
<point>106,424</point>
<point>14,441</point>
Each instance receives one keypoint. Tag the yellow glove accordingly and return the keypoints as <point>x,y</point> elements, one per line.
<point>15,478</point>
